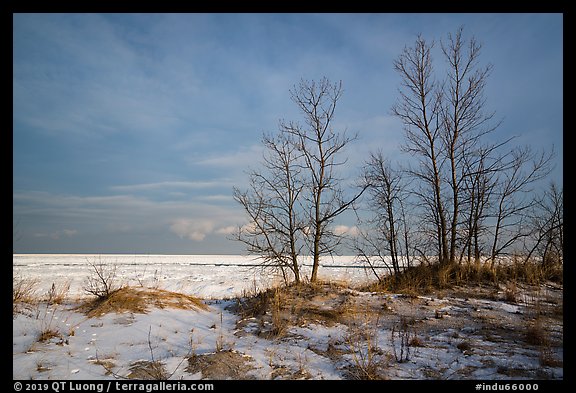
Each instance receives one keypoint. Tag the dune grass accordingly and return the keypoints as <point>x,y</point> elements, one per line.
<point>140,300</point>
<point>425,278</point>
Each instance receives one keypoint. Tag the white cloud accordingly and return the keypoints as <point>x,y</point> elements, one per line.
<point>250,227</point>
<point>346,230</point>
<point>192,229</point>
<point>229,230</point>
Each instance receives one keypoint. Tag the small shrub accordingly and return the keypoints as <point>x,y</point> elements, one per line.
<point>368,362</point>
<point>554,272</point>
<point>103,281</point>
<point>401,332</point>
<point>279,323</point>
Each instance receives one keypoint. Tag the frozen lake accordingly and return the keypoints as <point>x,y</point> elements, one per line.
<point>206,276</point>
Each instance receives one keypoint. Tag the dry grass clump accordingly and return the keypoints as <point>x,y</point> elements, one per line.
<point>58,292</point>
<point>24,292</point>
<point>464,346</point>
<point>228,364</point>
<point>426,277</point>
<point>511,292</point>
<point>107,364</point>
<point>47,335</point>
<point>536,334</point>
<point>415,281</point>
<point>369,362</point>
<point>140,300</point>
<point>416,341</point>
<point>278,308</point>
<point>148,370</point>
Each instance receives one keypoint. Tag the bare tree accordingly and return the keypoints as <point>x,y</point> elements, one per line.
<point>293,200</point>
<point>477,188</point>
<point>464,119</point>
<point>276,222</point>
<point>420,110</point>
<point>387,238</point>
<point>513,197</point>
<point>473,194</point>
<point>321,148</point>
<point>547,236</point>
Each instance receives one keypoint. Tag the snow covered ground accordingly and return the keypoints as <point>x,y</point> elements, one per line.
<point>206,276</point>
<point>452,335</point>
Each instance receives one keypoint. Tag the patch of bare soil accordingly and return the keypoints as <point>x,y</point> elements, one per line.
<point>221,365</point>
<point>140,300</point>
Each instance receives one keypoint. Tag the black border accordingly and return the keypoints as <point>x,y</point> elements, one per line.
<point>9,7</point>
<point>168,6</point>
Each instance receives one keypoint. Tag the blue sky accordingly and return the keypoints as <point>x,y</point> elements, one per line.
<point>130,130</point>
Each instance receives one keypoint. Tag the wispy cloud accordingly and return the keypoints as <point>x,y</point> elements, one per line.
<point>241,158</point>
<point>216,198</point>
<point>124,213</point>
<point>173,185</point>
<point>56,235</point>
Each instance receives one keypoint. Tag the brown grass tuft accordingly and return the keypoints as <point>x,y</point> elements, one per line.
<point>47,335</point>
<point>228,364</point>
<point>146,370</point>
<point>511,292</point>
<point>416,341</point>
<point>24,291</point>
<point>58,292</point>
<point>140,300</point>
